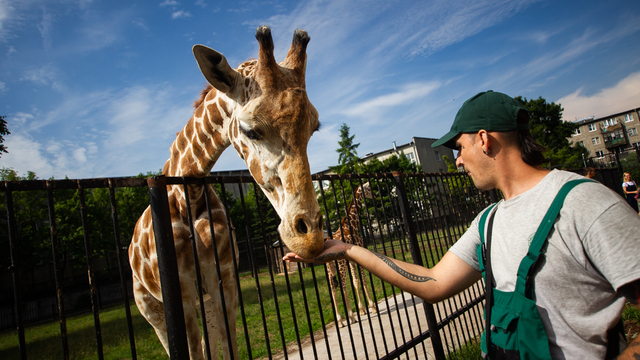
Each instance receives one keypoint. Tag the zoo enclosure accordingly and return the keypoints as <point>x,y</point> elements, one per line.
<point>413,217</point>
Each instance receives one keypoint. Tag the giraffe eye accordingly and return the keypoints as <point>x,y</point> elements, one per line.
<point>251,134</point>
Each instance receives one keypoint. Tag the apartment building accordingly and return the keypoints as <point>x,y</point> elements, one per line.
<point>419,151</point>
<point>609,134</point>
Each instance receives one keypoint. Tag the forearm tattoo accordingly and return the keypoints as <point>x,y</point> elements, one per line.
<point>330,256</point>
<point>401,271</point>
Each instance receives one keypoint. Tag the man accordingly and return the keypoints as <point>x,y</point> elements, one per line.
<point>591,265</point>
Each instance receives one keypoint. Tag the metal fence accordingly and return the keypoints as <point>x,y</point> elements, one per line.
<point>285,310</point>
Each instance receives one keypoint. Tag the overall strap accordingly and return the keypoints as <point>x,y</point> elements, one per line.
<point>538,245</point>
<point>485,263</point>
<point>483,220</point>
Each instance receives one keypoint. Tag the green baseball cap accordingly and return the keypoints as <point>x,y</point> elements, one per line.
<point>490,111</point>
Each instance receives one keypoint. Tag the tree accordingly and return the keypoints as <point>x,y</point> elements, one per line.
<point>548,128</point>
<point>451,166</point>
<point>348,161</point>
<point>3,131</point>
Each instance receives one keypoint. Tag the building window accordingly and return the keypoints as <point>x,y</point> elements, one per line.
<point>412,159</point>
<point>595,140</point>
<point>600,154</point>
<point>636,145</point>
<point>581,143</point>
<point>610,122</point>
<point>628,118</point>
<point>632,131</point>
<point>592,127</point>
<point>577,131</point>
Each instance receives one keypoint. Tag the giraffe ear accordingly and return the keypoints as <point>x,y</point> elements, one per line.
<point>215,68</point>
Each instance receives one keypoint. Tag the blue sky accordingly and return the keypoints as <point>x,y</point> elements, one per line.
<point>99,88</point>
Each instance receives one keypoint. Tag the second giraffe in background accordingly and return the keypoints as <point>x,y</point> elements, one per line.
<point>348,233</point>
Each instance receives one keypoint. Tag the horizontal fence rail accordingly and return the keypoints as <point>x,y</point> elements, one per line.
<point>65,250</point>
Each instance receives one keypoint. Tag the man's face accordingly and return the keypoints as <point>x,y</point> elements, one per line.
<point>474,161</point>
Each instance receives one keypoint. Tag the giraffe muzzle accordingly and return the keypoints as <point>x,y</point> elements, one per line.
<point>307,239</point>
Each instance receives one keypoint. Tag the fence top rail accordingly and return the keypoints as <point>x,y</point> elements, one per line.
<point>118,182</point>
<point>72,184</point>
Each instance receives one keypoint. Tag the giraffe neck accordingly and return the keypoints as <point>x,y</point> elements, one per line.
<point>209,131</point>
<point>200,143</point>
<point>354,207</point>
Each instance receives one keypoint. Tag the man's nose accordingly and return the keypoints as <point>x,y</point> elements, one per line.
<point>459,161</point>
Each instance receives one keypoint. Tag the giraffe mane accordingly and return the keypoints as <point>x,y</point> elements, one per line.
<point>203,95</point>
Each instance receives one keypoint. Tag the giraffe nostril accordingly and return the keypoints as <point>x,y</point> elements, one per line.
<point>301,226</point>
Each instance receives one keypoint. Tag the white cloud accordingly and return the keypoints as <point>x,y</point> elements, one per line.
<point>141,23</point>
<point>20,119</point>
<point>26,154</point>
<point>180,14</point>
<point>45,26</point>
<point>408,93</point>
<point>623,96</point>
<point>169,3</point>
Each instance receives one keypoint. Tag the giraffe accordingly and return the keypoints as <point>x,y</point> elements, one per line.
<point>262,109</point>
<point>348,233</point>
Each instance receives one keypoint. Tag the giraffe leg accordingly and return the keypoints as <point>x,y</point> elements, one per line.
<point>209,320</point>
<point>333,284</point>
<point>230,291</point>
<point>190,319</point>
<point>152,310</point>
<point>367,293</point>
<point>219,318</point>
<point>356,286</point>
<point>371,304</point>
<point>343,268</point>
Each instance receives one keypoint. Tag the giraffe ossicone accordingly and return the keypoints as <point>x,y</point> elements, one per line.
<point>262,109</point>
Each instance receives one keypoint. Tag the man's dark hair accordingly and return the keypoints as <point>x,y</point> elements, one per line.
<point>531,150</point>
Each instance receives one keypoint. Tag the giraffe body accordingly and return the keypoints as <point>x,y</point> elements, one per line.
<point>348,233</point>
<point>261,108</point>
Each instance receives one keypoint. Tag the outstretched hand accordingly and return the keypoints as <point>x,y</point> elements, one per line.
<point>333,250</point>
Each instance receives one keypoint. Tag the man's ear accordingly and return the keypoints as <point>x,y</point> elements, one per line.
<point>485,140</point>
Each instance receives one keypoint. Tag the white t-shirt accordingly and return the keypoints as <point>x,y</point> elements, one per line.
<point>594,249</point>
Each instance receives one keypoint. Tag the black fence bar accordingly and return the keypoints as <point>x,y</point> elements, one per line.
<point>121,266</point>
<point>91,275</point>
<point>62,319</point>
<point>417,259</point>
<point>168,269</point>
<point>15,270</point>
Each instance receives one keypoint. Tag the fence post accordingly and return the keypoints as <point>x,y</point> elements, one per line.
<point>15,271</point>
<point>168,268</point>
<point>405,211</point>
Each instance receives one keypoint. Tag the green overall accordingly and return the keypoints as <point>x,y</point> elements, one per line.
<point>514,327</point>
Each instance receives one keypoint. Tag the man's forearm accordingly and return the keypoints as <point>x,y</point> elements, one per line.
<point>413,278</point>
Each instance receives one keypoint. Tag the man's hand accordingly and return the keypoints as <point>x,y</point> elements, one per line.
<point>333,250</point>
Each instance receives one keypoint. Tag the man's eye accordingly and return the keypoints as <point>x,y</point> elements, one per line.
<point>251,134</point>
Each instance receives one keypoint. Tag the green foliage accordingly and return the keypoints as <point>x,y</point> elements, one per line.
<point>451,166</point>
<point>31,212</point>
<point>547,127</point>
<point>348,161</point>
<point>3,131</point>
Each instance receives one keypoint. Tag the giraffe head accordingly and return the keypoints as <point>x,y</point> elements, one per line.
<point>269,120</point>
<point>366,190</point>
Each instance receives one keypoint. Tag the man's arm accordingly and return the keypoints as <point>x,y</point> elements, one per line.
<point>631,291</point>
<point>450,276</point>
